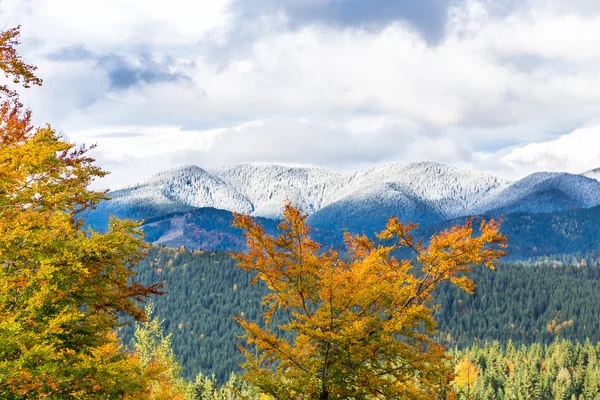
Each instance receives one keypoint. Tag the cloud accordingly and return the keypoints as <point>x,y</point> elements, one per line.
<point>363,141</point>
<point>476,83</point>
<point>427,17</point>
<point>125,73</point>
<point>104,25</point>
<point>574,152</point>
<point>71,53</point>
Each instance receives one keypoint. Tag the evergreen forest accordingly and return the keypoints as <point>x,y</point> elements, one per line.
<point>522,303</point>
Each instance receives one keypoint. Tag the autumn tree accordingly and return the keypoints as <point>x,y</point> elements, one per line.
<point>360,324</point>
<point>11,64</point>
<point>155,353</point>
<point>465,376</point>
<point>62,287</point>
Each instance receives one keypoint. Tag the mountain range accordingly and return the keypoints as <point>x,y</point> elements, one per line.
<point>362,201</point>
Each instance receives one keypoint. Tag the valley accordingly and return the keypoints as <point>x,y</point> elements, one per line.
<point>552,271</point>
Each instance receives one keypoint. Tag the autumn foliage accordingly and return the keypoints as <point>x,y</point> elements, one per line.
<point>360,323</point>
<point>11,64</point>
<point>63,288</point>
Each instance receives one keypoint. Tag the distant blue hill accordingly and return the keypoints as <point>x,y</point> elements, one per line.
<point>544,213</point>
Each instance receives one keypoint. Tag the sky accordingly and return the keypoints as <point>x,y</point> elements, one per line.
<point>509,87</point>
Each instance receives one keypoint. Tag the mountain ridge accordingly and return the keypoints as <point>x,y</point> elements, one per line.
<point>362,200</point>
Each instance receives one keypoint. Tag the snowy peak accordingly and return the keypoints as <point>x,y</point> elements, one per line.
<point>594,174</point>
<point>544,192</point>
<point>424,192</point>
<point>452,189</point>
<point>268,186</point>
<point>188,186</point>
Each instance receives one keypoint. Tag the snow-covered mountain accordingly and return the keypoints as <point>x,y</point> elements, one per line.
<point>594,174</point>
<point>424,192</point>
<point>543,192</point>
<point>266,187</point>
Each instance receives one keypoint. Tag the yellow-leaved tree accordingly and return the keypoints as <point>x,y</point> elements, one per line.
<point>359,324</point>
<point>466,375</point>
<point>62,287</point>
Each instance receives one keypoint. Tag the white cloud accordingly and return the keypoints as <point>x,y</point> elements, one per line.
<point>492,94</point>
<point>575,152</point>
<point>106,24</point>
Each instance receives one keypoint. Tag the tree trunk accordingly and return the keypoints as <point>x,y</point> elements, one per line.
<point>324,394</point>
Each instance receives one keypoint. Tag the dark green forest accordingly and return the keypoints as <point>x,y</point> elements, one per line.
<point>532,235</point>
<point>525,303</point>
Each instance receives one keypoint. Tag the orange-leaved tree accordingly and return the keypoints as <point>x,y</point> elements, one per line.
<point>62,287</point>
<point>11,64</point>
<point>359,325</point>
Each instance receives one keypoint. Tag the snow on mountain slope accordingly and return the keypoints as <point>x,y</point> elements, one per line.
<point>543,192</point>
<point>262,189</point>
<point>368,210</point>
<point>454,191</point>
<point>267,186</point>
<point>189,186</point>
<point>423,192</point>
<point>594,174</point>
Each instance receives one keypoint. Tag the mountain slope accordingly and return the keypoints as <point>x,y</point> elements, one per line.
<point>261,189</point>
<point>422,192</point>
<point>534,235</point>
<point>211,229</point>
<point>594,174</point>
<point>543,192</point>
<point>530,234</point>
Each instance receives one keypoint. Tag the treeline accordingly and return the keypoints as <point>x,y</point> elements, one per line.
<point>532,235</point>
<point>526,303</point>
<point>563,370</point>
<point>559,371</point>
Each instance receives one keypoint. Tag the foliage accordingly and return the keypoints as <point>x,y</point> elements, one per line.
<point>465,376</point>
<point>161,369</point>
<point>62,288</point>
<point>361,325</point>
<point>11,64</point>
<point>559,371</point>
<point>207,388</point>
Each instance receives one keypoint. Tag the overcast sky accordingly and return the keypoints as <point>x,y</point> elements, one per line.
<point>505,86</point>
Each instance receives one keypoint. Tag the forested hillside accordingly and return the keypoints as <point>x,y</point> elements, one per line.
<point>203,291</point>
<point>211,229</point>
<point>543,234</point>
<point>562,370</point>
<point>526,303</point>
<point>534,235</point>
